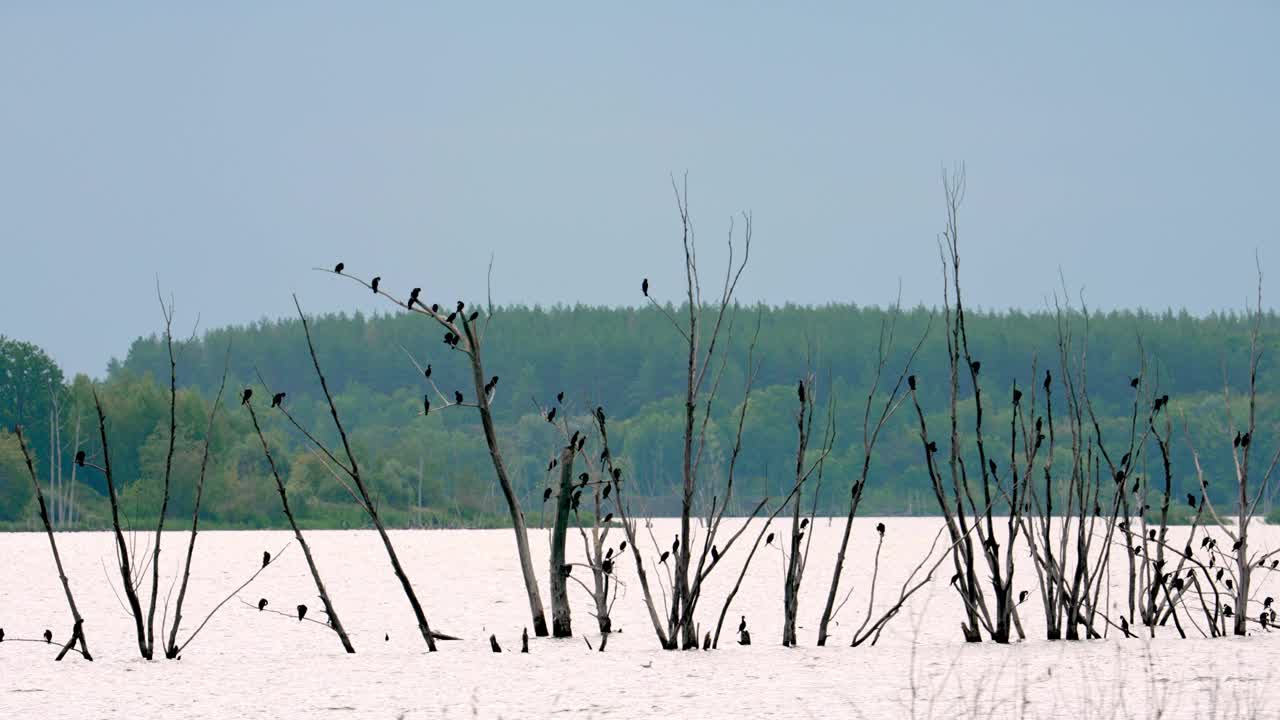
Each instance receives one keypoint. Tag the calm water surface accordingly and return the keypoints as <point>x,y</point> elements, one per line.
<point>251,664</point>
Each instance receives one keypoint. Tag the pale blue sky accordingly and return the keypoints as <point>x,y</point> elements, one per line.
<point>229,147</point>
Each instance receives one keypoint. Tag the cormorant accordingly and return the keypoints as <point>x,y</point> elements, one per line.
<point>1,634</point>
<point>644,287</point>
<point>1048,380</point>
<point>551,415</point>
<point>386,637</point>
<point>706,641</point>
<point>664,557</point>
<point>266,558</point>
<point>1226,611</point>
<point>582,442</point>
<point>48,636</point>
<point>617,474</point>
<point>338,268</point>
<point>744,638</point>
<point>413,297</point>
<point>607,567</point>
<point>1022,597</point>
<point>1039,424</point>
<point>1191,500</point>
<point>244,396</point>
<point>262,603</point>
<point>427,373</point>
<point>452,316</point>
<point>302,612</point>
<point>742,626</point>
<point>277,399</point>
<point>675,545</point>
<point>473,316</point>
<point>577,498</point>
<point>975,366</point>
<point>1125,460</point>
<point>551,464</point>
<point>932,447</point>
<point>80,458</point>
<point>804,523</point>
<point>493,644</point>
<point>461,305</point>
<point>426,405</point>
<point>457,396</point>
<point>374,283</point>
<point>583,478</point>
<point>435,307</point>
<point>1124,625</point>
<point>605,495</point>
<point>623,546</point>
<point>1134,382</point>
<point>560,397</point>
<point>911,381</point>
<point>1236,441</point>
<point>769,540</point>
<point>1267,603</point>
<point>1244,440</point>
<point>546,495</point>
<point>800,391</point>
<point>609,555</point>
<point>715,553</point>
<point>1017,396</point>
<point>524,641</point>
<point>880,528</point>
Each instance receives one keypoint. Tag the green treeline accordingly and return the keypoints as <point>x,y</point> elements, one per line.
<point>435,469</point>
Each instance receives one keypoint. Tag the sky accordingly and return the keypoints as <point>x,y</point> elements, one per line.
<point>228,148</point>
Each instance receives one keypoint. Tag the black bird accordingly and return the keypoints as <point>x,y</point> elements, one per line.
<point>244,396</point>
<point>457,396</point>
<point>1048,380</point>
<point>932,447</point>
<point>1191,500</point>
<point>975,366</point>
<point>1151,534</point>
<point>1134,382</point>
<point>600,414</point>
<point>1039,424</point>
<point>302,612</point>
<point>524,641</point>
<point>48,636</point>
<point>769,540</point>
<point>374,283</point>
<point>386,637</point>
<point>435,307</point>
<point>266,558</point>
<point>1022,596</point>
<point>551,415</point>
<point>583,478</point>
<point>427,373</point>
<point>1124,625</point>
<point>80,458</point>
<point>742,626</point>
<point>617,474</point>
<point>675,546</point>
<point>607,567</point>
<point>1226,611</point>
<point>1017,396</point>
<point>644,287</point>
<point>607,518</point>
<point>954,579</point>
<point>800,392</point>
<point>426,404</point>
<point>493,644</point>
<point>804,523</point>
<point>1236,441</point>
<point>560,397</point>
<point>1125,460</point>
<point>461,305</point>
<point>546,495</point>
<point>452,316</point>
<point>413,297</point>
<point>911,381</point>
<point>1267,603</point>
<point>577,498</point>
<point>262,603</point>
<point>991,464</point>
<point>609,555</point>
<point>880,528</point>
<point>607,489</point>
<point>277,399</point>
<point>338,268</point>
<point>473,316</point>
<point>1236,545</point>
<point>551,464</point>
<point>1244,440</point>
<point>664,557</point>
<point>1,634</point>
<point>623,546</point>
<point>582,442</point>
<point>715,553</point>
<point>1275,564</point>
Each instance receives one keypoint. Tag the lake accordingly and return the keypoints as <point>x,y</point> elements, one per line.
<point>251,664</point>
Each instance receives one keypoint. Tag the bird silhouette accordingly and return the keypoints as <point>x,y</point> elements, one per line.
<point>461,305</point>
<point>473,316</point>
<point>546,495</point>
<point>48,636</point>
<point>975,366</point>
<point>493,644</point>
<point>932,447</point>
<point>524,641</point>
<point>277,399</point>
<point>1022,597</point>
<point>644,287</point>
<point>413,297</point>
<point>374,283</point>
<point>1124,625</point>
<point>1134,382</point>
<point>880,528</point>
<point>804,523</point>
<point>742,626</point>
<point>551,415</point>
<point>386,637</point>
<point>1125,460</point>
<point>426,405</point>
<point>664,557</point>
<point>262,603</point>
<point>623,546</point>
<point>675,545</point>
<point>1244,440</point>
<point>1191,500</point>
<point>1048,379</point>
<point>560,397</point>
<point>80,458</point>
<point>605,495</point>
<point>457,396</point>
<point>715,553</point>
<point>244,396</point>
<point>800,391</point>
<point>769,540</point>
<point>1236,441</point>
<point>302,612</point>
<point>452,316</point>
<point>1017,396</point>
<point>427,373</point>
<point>1,634</point>
<point>435,307</point>
<point>339,267</point>
<point>266,558</point>
<point>911,382</point>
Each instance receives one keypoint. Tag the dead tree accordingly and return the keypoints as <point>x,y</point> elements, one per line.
<point>561,623</point>
<point>171,649</point>
<point>464,334</point>
<point>797,552</point>
<point>351,469</point>
<point>77,630</point>
<point>334,621</point>
<point>870,434</point>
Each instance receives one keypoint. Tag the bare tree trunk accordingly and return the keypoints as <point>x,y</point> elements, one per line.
<point>561,624</point>
<point>78,627</point>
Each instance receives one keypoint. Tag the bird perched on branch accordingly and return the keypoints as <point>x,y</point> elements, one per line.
<point>800,392</point>
<point>1244,440</point>
<point>474,315</point>
<point>551,415</point>
<point>663,559</point>
<point>302,612</point>
<point>461,305</point>
<point>266,558</point>
<point>80,458</point>
<point>742,626</point>
<point>452,316</point>
<point>1048,380</point>
<point>911,381</point>
<point>1017,396</point>
<point>48,636</point>
<point>880,528</point>
<point>1133,383</point>
<point>715,553</point>
<point>244,396</point>
<point>413,297</point>
<point>435,307</point>
<point>339,268</point>
<point>374,283</point>
<point>1191,500</point>
<point>277,399</point>
<point>426,405</point>
<point>675,546</point>
<point>427,373</point>
<point>457,396</point>
<point>932,447</point>
<point>262,603</point>
<point>546,495</point>
<point>644,287</point>
<point>769,540</point>
<point>975,367</point>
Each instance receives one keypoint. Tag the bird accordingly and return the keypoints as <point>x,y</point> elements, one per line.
<point>992,465</point>
<point>1022,596</point>
<point>804,523</point>
<point>975,366</point>
<point>80,458</point>
<point>560,397</point>
<point>744,638</point>
<point>551,415</point>
<point>1226,611</point>
<point>605,495</point>
<point>452,316</point>
<point>1267,603</point>
<point>664,557</point>
<point>623,546</point>
<point>1244,440</point>
<point>524,641</point>
<point>1039,424</point>
<point>457,396</point>
<point>742,626</point>
<point>338,268</point>
<point>493,644</point>
<point>277,399</point>
<point>607,567</point>
<point>1124,625</point>
<point>584,478</point>
<point>706,641</point>
<point>461,305</point>
<point>48,636</point>
<point>413,298</point>
<point>374,283</point>
<point>244,396</point>
<point>426,404</point>
<point>1236,441</point>
<point>427,373</point>
<point>1017,396</point>
<point>551,464</point>
<point>266,558</point>
<point>302,612</point>
<point>1048,379</point>
<point>262,603</point>
<point>617,474</point>
<point>880,528</point>
<point>1,634</point>
<point>546,495</point>
<point>607,518</point>
<point>769,540</point>
<point>911,382</point>
<point>386,637</point>
<point>932,447</point>
<point>1125,460</point>
<point>715,553</point>
<point>644,287</point>
<point>800,391</point>
<point>1191,500</point>
<point>473,316</point>
<point>609,555</point>
<point>1133,383</point>
<point>675,545</point>
<point>577,498</point>
<point>435,307</point>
